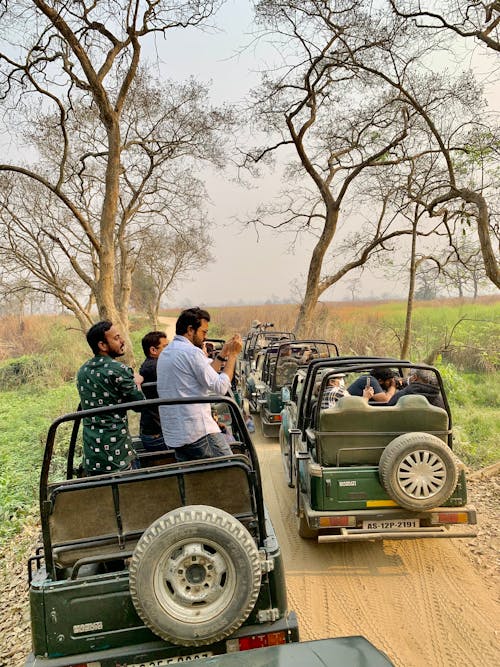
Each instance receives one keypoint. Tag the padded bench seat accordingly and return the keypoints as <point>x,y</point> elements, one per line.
<point>93,516</point>
<point>352,432</point>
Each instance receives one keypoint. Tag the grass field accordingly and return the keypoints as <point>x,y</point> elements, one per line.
<point>42,353</point>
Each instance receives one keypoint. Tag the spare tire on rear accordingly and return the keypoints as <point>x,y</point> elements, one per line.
<point>195,575</point>
<point>418,471</point>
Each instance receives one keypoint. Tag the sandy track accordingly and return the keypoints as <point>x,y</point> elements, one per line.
<point>420,601</point>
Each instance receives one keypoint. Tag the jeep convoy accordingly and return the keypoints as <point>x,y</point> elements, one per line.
<point>175,562</point>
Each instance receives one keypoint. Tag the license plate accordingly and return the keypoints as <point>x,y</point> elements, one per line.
<point>395,524</point>
<point>160,662</point>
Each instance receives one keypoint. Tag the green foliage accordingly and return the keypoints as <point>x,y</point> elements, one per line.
<point>26,415</point>
<point>21,371</point>
<point>475,405</point>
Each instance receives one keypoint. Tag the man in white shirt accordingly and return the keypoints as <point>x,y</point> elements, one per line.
<point>184,371</point>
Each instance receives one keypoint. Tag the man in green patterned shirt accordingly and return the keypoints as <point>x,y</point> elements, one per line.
<point>102,380</point>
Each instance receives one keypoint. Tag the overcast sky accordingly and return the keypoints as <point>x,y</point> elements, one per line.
<point>248,266</point>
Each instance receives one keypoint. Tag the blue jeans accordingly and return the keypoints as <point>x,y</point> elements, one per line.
<point>206,447</point>
<point>153,443</point>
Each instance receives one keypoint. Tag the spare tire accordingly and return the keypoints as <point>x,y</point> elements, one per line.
<point>195,575</point>
<point>418,471</point>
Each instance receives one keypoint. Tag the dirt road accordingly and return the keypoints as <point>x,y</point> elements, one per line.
<point>420,601</point>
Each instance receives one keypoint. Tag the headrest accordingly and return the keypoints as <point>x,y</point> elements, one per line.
<point>350,403</point>
<point>413,401</point>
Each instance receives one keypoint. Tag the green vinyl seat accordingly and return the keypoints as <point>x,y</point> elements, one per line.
<point>352,432</point>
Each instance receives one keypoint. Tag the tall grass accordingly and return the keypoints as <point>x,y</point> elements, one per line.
<point>468,330</point>
<point>26,415</point>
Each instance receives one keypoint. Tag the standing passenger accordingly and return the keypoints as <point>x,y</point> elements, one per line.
<point>184,371</point>
<point>107,445</point>
<point>150,429</point>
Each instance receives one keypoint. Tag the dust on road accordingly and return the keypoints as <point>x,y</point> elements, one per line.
<point>420,601</point>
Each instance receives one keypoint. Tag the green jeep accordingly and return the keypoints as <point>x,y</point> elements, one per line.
<point>168,563</point>
<point>280,363</point>
<point>363,470</point>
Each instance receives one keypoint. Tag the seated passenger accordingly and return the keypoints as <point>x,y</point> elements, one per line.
<point>334,390</point>
<point>381,381</point>
<point>286,366</point>
<point>423,383</point>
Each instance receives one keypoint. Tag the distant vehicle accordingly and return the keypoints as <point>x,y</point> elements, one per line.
<point>249,367</point>
<point>365,472</point>
<point>172,562</point>
<point>279,365</point>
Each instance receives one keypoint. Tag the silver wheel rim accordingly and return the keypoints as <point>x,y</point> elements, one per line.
<point>421,474</point>
<point>195,581</point>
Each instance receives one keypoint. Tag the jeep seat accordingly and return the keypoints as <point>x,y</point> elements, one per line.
<point>92,517</point>
<point>352,432</point>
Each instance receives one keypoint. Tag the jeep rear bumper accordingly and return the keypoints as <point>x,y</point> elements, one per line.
<point>151,652</point>
<point>390,523</point>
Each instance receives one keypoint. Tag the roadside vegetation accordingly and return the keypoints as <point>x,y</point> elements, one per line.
<point>40,356</point>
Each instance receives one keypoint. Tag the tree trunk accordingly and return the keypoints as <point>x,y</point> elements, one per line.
<point>105,289</point>
<point>313,287</point>
<point>405,347</point>
<point>489,256</point>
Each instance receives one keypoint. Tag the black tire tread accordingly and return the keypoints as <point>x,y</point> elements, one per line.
<point>177,520</point>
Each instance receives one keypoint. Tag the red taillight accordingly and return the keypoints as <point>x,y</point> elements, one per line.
<point>256,641</point>
<point>328,521</point>
<point>450,517</point>
<point>275,418</point>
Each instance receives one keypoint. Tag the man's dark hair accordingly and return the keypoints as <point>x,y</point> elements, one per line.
<point>382,373</point>
<point>96,334</point>
<point>152,339</point>
<point>191,317</point>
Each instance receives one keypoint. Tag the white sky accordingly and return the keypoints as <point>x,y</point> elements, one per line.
<point>249,267</point>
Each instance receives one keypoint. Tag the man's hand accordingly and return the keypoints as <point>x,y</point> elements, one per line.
<point>232,347</point>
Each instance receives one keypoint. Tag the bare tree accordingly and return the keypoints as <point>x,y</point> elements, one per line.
<point>165,260</point>
<point>342,101</point>
<point>473,19</point>
<point>103,133</point>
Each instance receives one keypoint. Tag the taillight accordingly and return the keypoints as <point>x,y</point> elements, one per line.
<point>274,418</point>
<point>255,641</point>
<point>450,517</point>
<point>329,521</point>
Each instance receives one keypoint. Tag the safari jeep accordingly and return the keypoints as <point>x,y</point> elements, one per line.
<point>249,365</point>
<point>172,562</point>
<point>366,471</point>
<point>280,363</point>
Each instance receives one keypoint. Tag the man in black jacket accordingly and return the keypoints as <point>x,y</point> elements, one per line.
<point>423,383</point>
<point>150,429</point>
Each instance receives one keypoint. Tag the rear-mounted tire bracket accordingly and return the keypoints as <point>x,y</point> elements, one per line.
<point>268,615</point>
<point>266,564</point>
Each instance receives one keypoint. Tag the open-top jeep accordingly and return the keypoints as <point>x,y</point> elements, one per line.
<point>167,563</point>
<point>249,366</point>
<point>364,470</point>
<point>279,365</point>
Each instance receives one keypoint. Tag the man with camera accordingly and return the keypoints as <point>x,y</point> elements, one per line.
<point>381,380</point>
